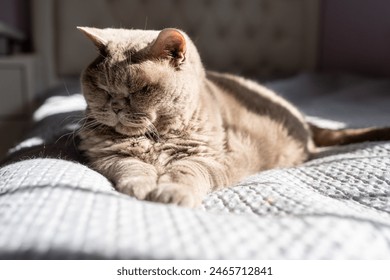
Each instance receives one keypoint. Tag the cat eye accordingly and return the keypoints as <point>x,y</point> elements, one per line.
<point>104,89</point>
<point>145,89</point>
<point>142,91</point>
<point>109,94</point>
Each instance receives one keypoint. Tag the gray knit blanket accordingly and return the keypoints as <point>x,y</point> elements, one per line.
<point>336,206</point>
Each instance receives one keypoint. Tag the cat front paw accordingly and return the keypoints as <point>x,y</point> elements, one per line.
<point>174,193</point>
<point>139,187</point>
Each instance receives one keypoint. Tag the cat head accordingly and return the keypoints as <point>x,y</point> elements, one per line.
<point>142,81</point>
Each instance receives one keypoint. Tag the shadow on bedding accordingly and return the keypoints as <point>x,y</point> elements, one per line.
<point>51,137</point>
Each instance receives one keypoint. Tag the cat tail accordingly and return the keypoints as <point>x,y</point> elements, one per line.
<point>323,137</point>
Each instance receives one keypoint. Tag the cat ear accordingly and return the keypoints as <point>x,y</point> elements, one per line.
<point>170,44</point>
<point>95,35</point>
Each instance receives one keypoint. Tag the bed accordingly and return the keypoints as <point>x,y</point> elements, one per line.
<point>335,206</point>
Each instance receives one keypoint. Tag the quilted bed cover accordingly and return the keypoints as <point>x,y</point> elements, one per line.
<point>336,206</point>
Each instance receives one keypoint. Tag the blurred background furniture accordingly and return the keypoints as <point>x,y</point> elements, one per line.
<point>19,88</point>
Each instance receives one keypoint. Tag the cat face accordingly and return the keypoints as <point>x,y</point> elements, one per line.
<point>142,81</point>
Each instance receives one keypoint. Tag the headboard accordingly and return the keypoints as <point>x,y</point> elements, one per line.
<point>257,38</point>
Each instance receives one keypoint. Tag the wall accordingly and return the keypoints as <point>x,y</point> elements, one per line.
<point>356,36</point>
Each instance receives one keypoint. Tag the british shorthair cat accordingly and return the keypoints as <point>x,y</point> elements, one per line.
<point>164,129</point>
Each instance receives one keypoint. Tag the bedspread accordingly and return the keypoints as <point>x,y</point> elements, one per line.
<point>335,206</point>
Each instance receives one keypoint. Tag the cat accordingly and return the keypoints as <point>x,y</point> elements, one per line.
<point>163,129</point>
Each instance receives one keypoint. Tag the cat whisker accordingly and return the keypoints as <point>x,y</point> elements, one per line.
<point>140,120</point>
<point>152,130</point>
<point>87,124</point>
<point>140,114</point>
<point>133,122</point>
<point>70,117</point>
<point>94,127</point>
<point>71,132</point>
<point>146,22</point>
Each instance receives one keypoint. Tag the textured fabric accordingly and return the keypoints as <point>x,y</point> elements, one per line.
<point>335,206</point>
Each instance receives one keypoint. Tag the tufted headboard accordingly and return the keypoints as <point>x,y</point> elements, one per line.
<point>257,38</point>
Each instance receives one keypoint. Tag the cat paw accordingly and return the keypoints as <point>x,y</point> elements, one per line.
<point>139,187</point>
<point>173,193</point>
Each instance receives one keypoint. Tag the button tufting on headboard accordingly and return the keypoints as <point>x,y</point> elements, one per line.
<point>257,38</point>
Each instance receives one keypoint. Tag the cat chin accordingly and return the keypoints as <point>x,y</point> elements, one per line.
<point>129,131</point>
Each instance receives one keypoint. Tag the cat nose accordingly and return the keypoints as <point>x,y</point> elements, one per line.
<point>116,107</point>
<point>116,110</point>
